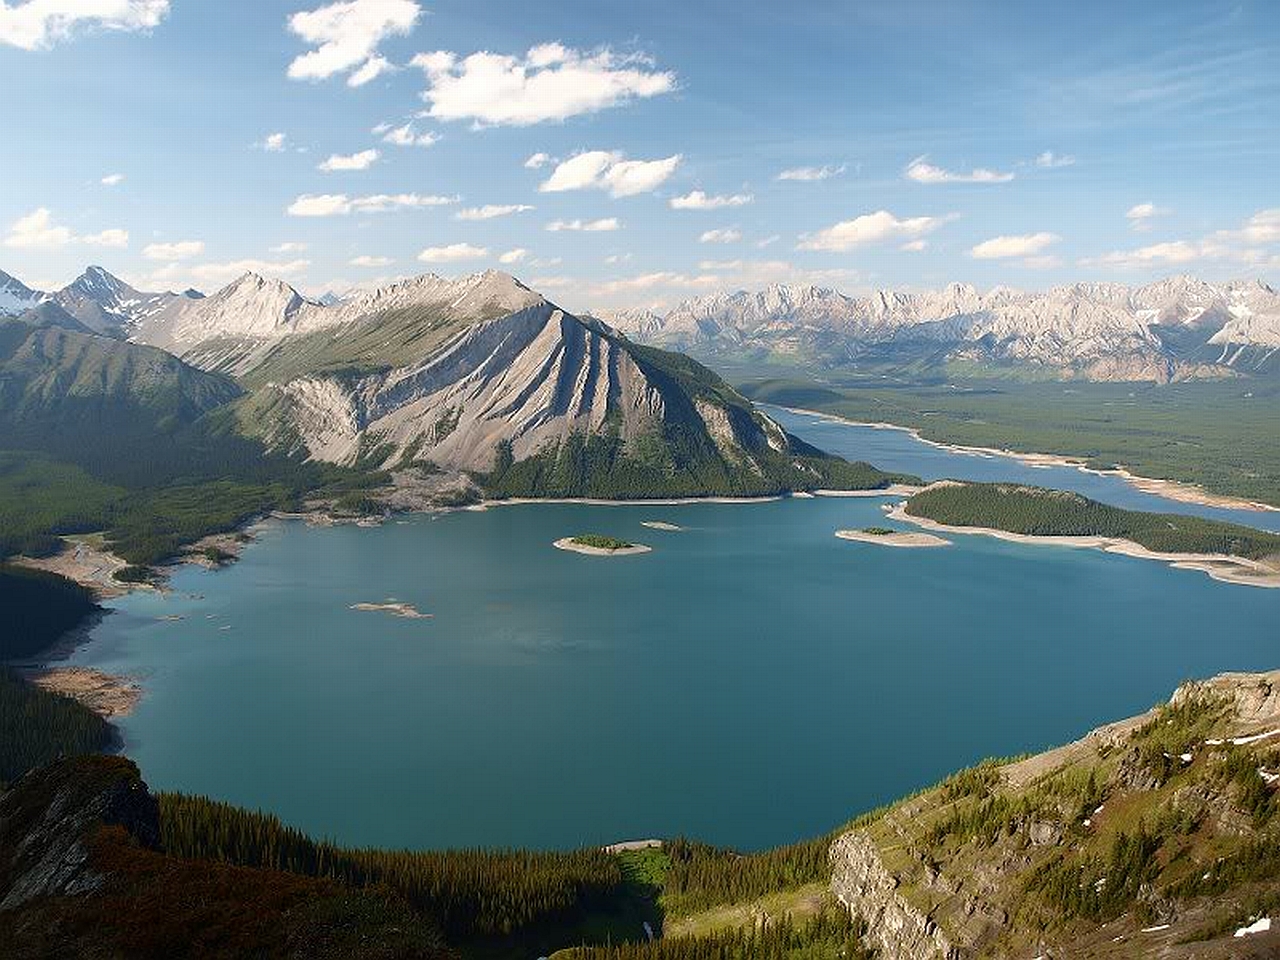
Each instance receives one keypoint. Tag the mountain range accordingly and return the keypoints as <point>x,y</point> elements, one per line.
<point>475,377</point>
<point>1175,329</point>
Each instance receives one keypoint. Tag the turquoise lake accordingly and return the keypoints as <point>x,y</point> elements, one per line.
<point>752,681</point>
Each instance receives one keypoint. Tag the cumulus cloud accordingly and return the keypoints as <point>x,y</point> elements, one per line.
<point>1049,160</point>
<point>346,37</point>
<point>107,238</point>
<point>550,82</point>
<point>723,235</point>
<point>491,211</point>
<point>921,171</point>
<point>697,200</point>
<point>1140,215</point>
<point>339,204</point>
<point>367,261</point>
<point>869,228</point>
<point>810,174</point>
<point>112,180</point>
<point>38,231</point>
<point>608,170</point>
<point>1024,245</point>
<point>170,252</point>
<point>289,246</point>
<point>405,136</point>
<point>214,275</point>
<point>518,255</point>
<point>453,253</point>
<point>587,226</point>
<point>914,246</point>
<point>355,161</point>
<point>1254,242</point>
<point>39,24</point>
<point>537,161</point>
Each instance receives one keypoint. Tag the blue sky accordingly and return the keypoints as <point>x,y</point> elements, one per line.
<point>992,143</point>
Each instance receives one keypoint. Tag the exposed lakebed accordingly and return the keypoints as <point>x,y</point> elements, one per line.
<point>750,681</point>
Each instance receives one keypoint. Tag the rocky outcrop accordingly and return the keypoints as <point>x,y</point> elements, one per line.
<point>896,929</point>
<point>48,818</point>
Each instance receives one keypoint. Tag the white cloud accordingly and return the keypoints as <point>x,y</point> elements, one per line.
<point>648,281</point>
<point>180,250</point>
<point>914,246</point>
<point>372,68</point>
<point>607,170</point>
<point>537,161</point>
<point>768,241</point>
<point>1178,251</point>
<point>697,200</point>
<point>339,204</point>
<point>921,171</point>
<point>491,211</point>
<point>551,82</point>
<point>39,24</point>
<point>272,143</point>
<point>107,238</point>
<point>1025,245</point>
<point>1050,160</point>
<point>367,261</point>
<point>112,180</point>
<point>355,161</point>
<point>587,226</point>
<point>289,246</point>
<point>616,258</point>
<point>405,136</point>
<point>1247,244</point>
<point>809,174</point>
<point>453,253</point>
<point>550,283</point>
<point>38,231</point>
<point>214,275</point>
<point>869,228</point>
<point>723,235</point>
<point>1141,215</point>
<point>518,255</point>
<point>346,37</point>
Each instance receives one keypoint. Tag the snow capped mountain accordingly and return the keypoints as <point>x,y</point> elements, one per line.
<point>16,297</point>
<point>106,304</point>
<point>1095,330</point>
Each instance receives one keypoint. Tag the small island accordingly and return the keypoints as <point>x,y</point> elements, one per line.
<point>661,525</point>
<point>393,607</point>
<point>893,538</point>
<point>596,545</point>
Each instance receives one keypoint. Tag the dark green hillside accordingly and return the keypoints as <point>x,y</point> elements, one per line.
<point>37,727</point>
<point>1055,513</point>
<point>99,434</point>
<point>38,609</point>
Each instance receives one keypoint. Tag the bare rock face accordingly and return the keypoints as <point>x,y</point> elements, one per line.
<point>896,929</point>
<point>48,817</point>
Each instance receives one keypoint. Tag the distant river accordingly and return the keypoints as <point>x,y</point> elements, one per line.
<point>751,681</point>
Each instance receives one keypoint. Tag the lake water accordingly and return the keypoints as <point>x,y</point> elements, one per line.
<point>752,681</point>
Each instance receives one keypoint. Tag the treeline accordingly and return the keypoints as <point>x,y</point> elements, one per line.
<point>677,463</point>
<point>37,727</point>
<point>699,875</point>
<point>38,608</point>
<point>469,893</point>
<point>828,935</point>
<point>1038,511</point>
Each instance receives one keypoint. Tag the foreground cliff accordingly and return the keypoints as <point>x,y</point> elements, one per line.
<point>1151,837</point>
